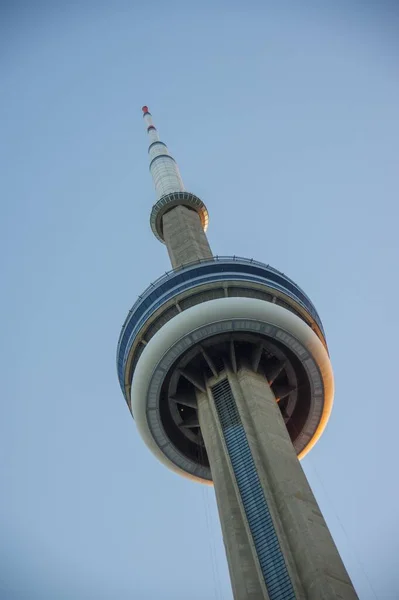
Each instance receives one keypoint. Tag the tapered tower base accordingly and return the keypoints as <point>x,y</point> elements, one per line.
<point>277,542</point>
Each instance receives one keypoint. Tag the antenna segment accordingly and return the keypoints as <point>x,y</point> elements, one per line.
<point>163,167</point>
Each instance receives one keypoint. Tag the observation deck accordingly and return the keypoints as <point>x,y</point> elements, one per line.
<point>195,321</point>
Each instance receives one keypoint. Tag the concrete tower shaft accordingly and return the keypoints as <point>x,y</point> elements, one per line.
<point>224,365</point>
<point>277,542</point>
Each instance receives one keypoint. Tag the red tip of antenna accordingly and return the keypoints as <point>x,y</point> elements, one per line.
<point>145,109</point>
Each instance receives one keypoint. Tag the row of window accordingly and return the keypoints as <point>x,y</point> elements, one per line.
<point>271,558</point>
<point>144,311</point>
<point>193,276</point>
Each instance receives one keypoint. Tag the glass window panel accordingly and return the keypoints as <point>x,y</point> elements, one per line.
<point>271,559</point>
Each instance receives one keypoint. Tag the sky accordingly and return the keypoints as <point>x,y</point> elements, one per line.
<point>284,119</point>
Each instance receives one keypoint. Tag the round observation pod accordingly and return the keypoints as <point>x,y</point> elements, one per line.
<point>209,317</point>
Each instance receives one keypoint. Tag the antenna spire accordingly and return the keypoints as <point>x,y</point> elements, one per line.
<point>164,170</point>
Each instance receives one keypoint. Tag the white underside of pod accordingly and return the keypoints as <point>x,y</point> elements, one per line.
<point>223,310</point>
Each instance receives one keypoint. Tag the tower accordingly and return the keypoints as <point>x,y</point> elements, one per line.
<point>224,365</point>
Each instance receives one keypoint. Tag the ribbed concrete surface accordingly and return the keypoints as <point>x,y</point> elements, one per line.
<point>244,573</point>
<point>313,562</point>
<point>311,548</point>
<point>184,236</point>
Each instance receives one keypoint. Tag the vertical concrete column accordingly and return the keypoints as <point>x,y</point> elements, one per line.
<point>246,578</point>
<point>184,237</point>
<point>309,549</point>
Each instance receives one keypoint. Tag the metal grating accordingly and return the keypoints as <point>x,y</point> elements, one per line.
<point>160,322</point>
<point>192,300</point>
<point>249,293</point>
<point>271,558</point>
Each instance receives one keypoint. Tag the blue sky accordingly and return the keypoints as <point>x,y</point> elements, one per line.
<point>285,120</point>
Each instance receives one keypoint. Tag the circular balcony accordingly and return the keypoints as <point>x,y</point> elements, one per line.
<point>198,282</point>
<point>169,201</point>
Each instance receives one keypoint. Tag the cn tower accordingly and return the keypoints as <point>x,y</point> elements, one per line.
<point>224,365</point>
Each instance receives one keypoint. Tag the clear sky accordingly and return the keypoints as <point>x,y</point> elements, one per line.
<point>284,118</point>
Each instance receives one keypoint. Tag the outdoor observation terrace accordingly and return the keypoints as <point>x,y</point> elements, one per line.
<point>194,283</point>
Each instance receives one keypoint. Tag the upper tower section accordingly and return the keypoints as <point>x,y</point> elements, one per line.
<point>212,317</point>
<point>185,226</point>
<point>164,170</point>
